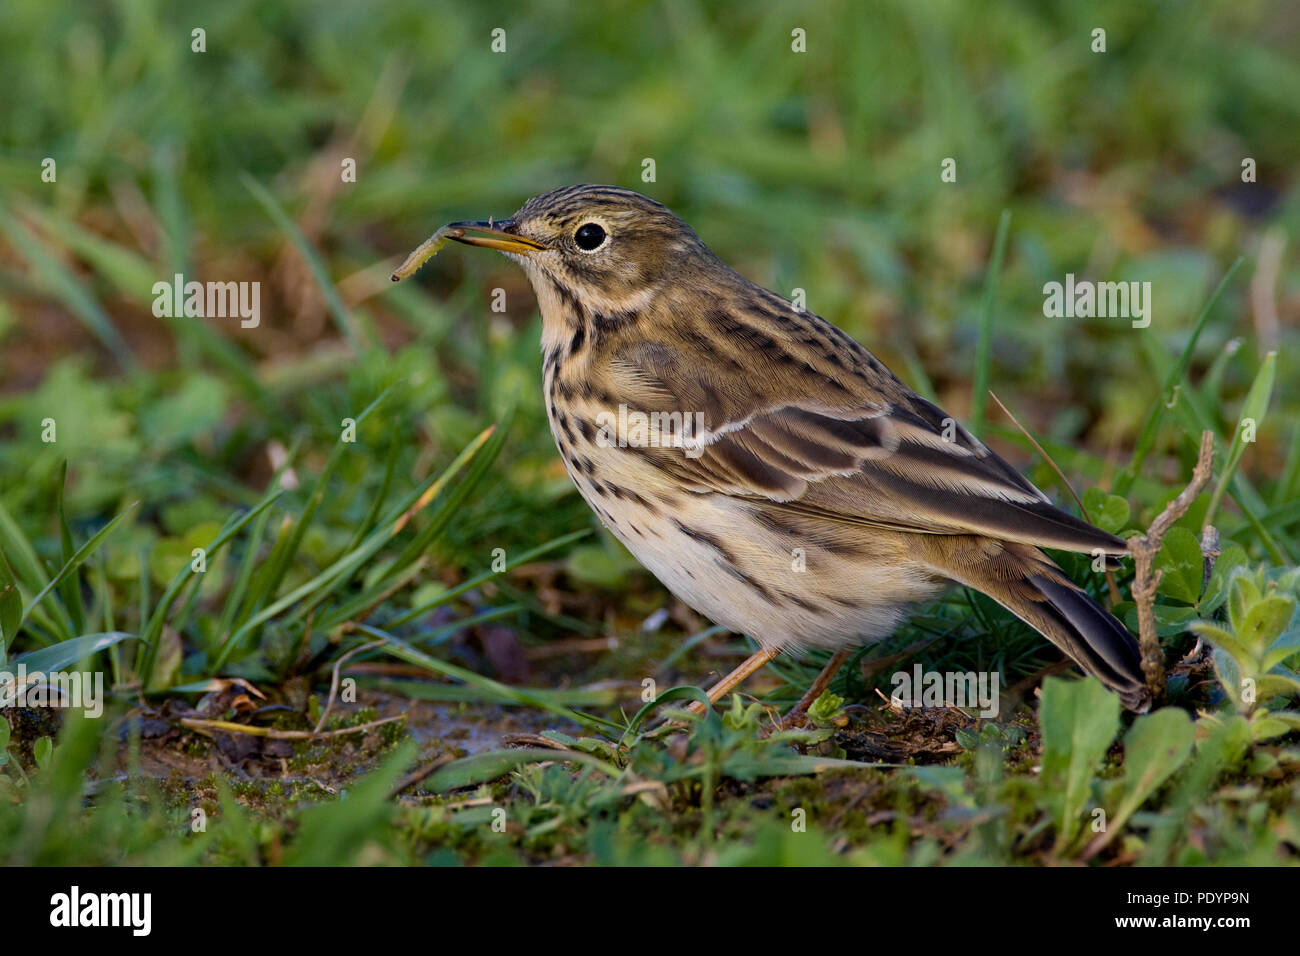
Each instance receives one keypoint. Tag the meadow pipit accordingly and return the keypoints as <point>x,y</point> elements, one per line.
<point>767,468</point>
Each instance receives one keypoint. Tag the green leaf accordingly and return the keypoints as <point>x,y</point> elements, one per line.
<point>1156,746</point>
<point>1223,750</point>
<point>42,751</point>
<point>336,833</point>
<point>1252,414</point>
<point>484,767</point>
<point>1108,512</point>
<point>1265,622</point>
<point>1242,596</point>
<point>1266,726</point>
<point>1170,619</point>
<point>11,605</point>
<point>1268,686</point>
<point>196,407</point>
<point>1183,565</point>
<point>166,662</point>
<point>1285,646</point>
<point>600,565</point>
<point>1228,668</point>
<point>67,653</point>
<point>1222,639</point>
<point>82,553</point>
<point>1079,720</point>
<point>70,589</point>
<point>1216,591</point>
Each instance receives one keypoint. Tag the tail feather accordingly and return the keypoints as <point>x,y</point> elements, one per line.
<point>1091,635</point>
<point>1024,581</point>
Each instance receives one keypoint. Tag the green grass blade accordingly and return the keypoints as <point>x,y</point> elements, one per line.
<point>988,314</point>
<point>11,607</point>
<point>490,689</point>
<point>1257,399</point>
<point>69,290</point>
<point>1177,375</point>
<point>465,586</point>
<point>80,555</point>
<point>70,589</point>
<point>1288,483</point>
<point>342,569</point>
<point>151,632</point>
<point>343,318</point>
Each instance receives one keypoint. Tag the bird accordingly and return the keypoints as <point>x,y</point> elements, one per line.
<point>767,468</point>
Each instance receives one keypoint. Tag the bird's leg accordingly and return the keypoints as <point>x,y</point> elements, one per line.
<point>753,663</point>
<point>796,716</point>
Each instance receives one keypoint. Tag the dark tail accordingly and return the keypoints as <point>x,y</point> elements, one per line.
<point>1092,636</point>
<point>1024,581</point>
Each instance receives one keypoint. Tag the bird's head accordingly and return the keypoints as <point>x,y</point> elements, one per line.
<point>609,248</point>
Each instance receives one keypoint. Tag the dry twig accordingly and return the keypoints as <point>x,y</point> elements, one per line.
<point>1146,581</point>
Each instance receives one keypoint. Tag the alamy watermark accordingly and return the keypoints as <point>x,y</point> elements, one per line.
<point>922,688</point>
<point>209,300</point>
<point>1085,299</point>
<point>633,429</point>
<point>133,911</point>
<point>63,689</point>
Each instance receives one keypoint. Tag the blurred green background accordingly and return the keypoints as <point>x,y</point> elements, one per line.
<point>817,170</point>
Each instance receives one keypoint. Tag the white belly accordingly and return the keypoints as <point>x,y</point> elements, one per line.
<point>739,573</point>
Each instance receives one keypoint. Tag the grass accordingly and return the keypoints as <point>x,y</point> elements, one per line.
<point>186,503</point>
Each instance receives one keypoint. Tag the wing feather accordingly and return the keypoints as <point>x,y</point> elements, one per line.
<point>882,458</point>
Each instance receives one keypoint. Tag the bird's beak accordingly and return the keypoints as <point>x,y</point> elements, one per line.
<point>494,235</point>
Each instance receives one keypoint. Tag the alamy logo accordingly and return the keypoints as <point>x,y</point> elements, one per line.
<point>922,688</point>
<point>632,429</point>
<point>75,908</point>
<point>1102,300</point>
<point>209,300</point>
<point>65,689</point>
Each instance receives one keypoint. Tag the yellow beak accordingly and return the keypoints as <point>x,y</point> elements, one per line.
<point>494,235</point>
<point>499,235</point>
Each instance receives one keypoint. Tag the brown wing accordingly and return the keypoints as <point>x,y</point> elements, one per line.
<point>869,451</point>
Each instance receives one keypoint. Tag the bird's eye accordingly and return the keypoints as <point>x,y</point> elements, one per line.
<point>589,237</point>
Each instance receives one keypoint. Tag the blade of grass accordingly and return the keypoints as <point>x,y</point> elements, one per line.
<point>388,578</point>
<point>988,313</point>
<point>490,689</point>
<point>1288,483</point>
<point>234,600</point>
<point>384,580</point>
<point>22,556</point>
<point>132,275</point>
<point>376,506</point>
<point>69,290</point>
<point>80,555</point>
<point>1257,399</point>
<point>343,318</point>
<point>325,582</point>
<point>423,690</point>
<point>278,564</point>
<point>11,607</point>
<point>153,629</point>
<point>1194,419</point>
<point>452,593</point>
<point>105,598</point>
<point>1146,439</point>
<point>70,589</point>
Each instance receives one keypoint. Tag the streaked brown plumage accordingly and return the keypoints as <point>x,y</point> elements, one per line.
<point>809,442</point>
